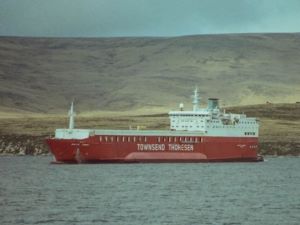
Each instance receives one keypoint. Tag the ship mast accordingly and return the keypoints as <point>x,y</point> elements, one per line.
<point>196,100</point>
<point>72,115</point>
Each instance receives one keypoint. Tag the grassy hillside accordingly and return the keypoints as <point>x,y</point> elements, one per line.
<point>45,74</point>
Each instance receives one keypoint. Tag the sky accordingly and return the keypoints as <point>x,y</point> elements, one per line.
<point>111,18</point>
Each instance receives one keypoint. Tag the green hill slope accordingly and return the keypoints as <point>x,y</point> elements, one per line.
<point>45,74</point>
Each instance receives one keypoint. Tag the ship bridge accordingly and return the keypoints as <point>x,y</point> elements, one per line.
<point>211,120</point>
<point>188,120</point>
<point>195,119</point>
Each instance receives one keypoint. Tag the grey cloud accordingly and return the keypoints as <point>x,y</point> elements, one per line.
<point>146,17</point>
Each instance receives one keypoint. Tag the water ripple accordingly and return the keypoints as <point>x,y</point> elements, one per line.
<point>34,192</point>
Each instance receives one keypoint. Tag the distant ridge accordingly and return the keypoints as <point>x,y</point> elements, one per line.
<point>45,74</point>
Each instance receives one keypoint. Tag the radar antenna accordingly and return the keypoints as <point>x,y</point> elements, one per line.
<point>196,100</point>
<point>72,115</point>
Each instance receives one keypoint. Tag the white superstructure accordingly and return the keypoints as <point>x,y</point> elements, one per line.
<point>212,121</point>
<point>209,121</point>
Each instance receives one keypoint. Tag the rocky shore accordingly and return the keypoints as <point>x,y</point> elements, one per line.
<point>23,145</point>
<point>35,145</point>
<point>279,148</point>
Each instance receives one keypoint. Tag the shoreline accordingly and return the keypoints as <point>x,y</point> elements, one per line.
<point>279,128</point>
<point>24,144</point>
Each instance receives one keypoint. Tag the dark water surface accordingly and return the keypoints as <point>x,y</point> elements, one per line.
<point>32,191</point>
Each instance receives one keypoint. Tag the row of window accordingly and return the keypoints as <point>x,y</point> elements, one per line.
<point>192,115</point>
<point>181,139</point>
<point>230,126</point>
<point>221,126</point>
<point>192,121</point>
<point>226,126</point>
<point>247,122</point>
<point>144,139</point>
<point>249,133</point>
<point>122,139</point>
<point>185,126</point>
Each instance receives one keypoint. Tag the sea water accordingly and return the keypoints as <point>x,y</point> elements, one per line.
<point>33,191</point>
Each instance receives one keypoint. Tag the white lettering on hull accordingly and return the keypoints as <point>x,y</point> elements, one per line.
<point>162,147</point>
<point>151,147</point>
<point>181,147</point>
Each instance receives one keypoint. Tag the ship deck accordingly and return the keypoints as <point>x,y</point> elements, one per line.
<point>133,132</point>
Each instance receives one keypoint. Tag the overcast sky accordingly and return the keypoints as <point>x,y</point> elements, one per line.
<point>105,18</point>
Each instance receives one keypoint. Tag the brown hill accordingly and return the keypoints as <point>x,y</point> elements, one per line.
<point>45,74</point>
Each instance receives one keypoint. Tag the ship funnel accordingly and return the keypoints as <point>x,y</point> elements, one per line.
<point>72,115</point>
<point>213,103</point>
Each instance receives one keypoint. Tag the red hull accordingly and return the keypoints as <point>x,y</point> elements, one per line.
<point>126,149</point>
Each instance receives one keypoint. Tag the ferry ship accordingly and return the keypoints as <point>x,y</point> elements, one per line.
<point>206,134</point>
